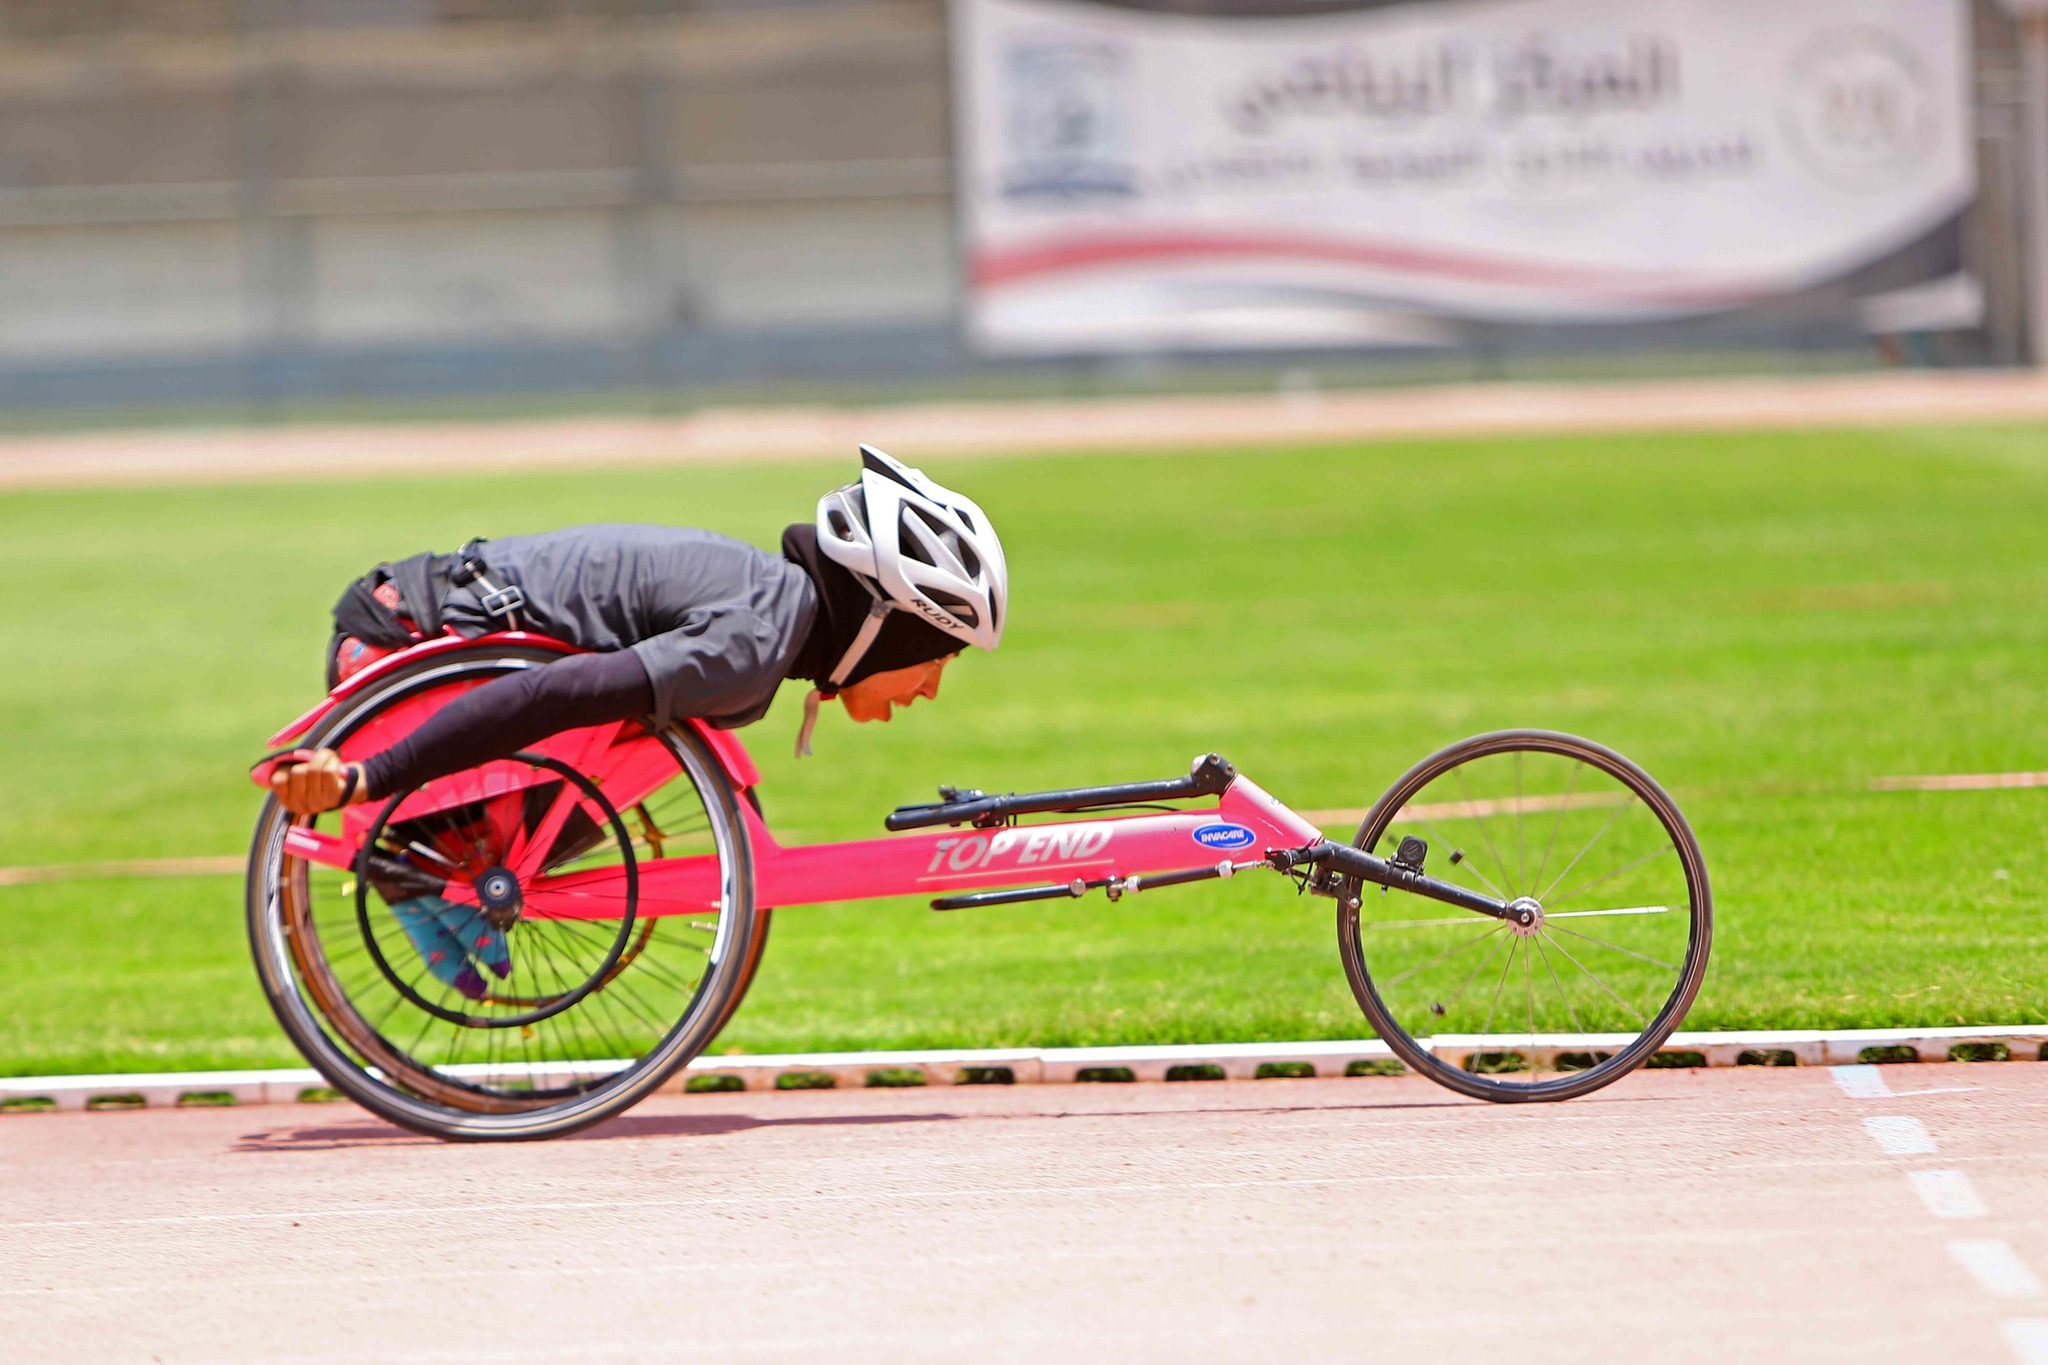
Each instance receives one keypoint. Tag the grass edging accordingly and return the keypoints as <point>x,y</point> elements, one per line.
<point>1065,1066</point>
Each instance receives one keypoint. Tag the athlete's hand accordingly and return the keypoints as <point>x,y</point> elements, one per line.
<point>318,783</point>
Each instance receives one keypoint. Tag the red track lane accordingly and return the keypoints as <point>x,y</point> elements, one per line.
<point>1679,1216</point>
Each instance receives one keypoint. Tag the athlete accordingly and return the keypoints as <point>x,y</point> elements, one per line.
<point>869,604</point>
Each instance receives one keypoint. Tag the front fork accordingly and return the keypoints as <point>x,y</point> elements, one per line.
<point>1334,862</point>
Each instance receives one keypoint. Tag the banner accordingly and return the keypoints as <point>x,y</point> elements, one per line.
<point>1133,179</point>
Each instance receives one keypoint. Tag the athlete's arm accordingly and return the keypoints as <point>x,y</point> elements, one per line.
<point>492,721</point>
<point>509,713</point>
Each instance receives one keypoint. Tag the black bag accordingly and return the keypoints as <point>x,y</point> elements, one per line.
<point>422,583</point>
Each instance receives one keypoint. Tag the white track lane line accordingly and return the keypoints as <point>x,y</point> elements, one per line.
<point>1996,1267</point>
<point>1993,1264</point>
<point>1947,1194</point>
<point>1899,1136</point>
<point>1861,1082</point>
<point>2028,1338</point>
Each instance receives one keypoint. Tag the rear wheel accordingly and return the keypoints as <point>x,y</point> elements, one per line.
<point>764,918</point>
<point>1617,940</point>
<point>491,968</point>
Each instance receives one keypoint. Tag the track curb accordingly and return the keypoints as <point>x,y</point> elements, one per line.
<point>1081,1065</point>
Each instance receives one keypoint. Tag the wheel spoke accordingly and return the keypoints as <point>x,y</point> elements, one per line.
<point>1618,812</point>
<point>581,1017</point>
<point>415,846</point>
<point>1562,993</point>
<point>1485,827</point>
<point>1521,843</point>
<point>1667,966</point>
<point>1514,944</point>
<point>1571,789</point>
<point>427,1021</point>
<point>1448,952</point>
<point>1625,867</point>
<point>1529,990</point>
<point>1440,922</point>
<point>1640,1019</point>
<point>1467,863</point>
<point>637,962</point>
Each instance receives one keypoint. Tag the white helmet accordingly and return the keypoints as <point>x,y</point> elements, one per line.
<point>919,548</point>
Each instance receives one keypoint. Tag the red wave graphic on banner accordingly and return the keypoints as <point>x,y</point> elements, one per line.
<point>1064,256</point>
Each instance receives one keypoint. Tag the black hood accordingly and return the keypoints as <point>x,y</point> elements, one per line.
<point>904,640</point>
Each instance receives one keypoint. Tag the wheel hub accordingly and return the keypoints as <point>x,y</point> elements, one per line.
<point>498,892</point>
<point>1525,917</point>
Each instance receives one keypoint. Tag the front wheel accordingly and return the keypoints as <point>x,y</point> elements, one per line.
<point>1615,947</point>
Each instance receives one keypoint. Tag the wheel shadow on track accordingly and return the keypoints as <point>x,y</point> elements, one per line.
<point>1391,1107</point>
<point>370,1132</point>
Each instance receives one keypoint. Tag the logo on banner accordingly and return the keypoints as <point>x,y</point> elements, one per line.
<point>1066,120</point>
<point>1860,108</point>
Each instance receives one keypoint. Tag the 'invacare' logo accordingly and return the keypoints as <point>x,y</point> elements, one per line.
<point>1224,836</point>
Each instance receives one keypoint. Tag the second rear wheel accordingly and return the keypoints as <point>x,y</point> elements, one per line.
<point>441,1005</point>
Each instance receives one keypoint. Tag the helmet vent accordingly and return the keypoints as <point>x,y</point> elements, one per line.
<point>877,463</point>
<point>914,549</point>
<point>962,610</point>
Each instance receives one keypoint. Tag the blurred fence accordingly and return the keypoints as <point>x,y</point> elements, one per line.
<point>256,200</point>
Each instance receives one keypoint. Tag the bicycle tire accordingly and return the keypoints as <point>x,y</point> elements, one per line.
<point>1610,1066</point>
<point>284,947</point>
<point>764,920</point>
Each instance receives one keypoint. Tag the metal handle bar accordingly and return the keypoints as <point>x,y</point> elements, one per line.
<point>1017,896</point>
<point>1209,776</point>
<point>1118,887</point>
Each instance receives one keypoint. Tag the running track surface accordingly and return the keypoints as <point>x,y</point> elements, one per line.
<point>1677,1216</point>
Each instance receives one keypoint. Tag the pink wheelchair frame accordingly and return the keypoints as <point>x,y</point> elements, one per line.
<point>1118,854</point>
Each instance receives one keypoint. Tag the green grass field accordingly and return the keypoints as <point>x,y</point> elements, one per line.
<point>1765,621</point>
